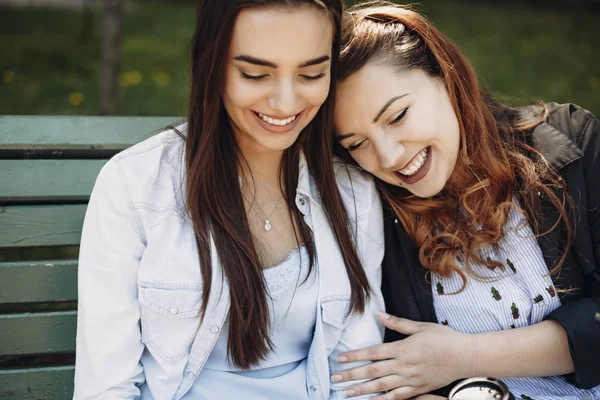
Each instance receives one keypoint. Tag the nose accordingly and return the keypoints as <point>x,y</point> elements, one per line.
<point>283,97</point>
<point>389,151</point>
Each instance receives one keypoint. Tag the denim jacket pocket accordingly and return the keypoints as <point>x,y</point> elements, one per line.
<point>334,311</point>
<point>170,317</point>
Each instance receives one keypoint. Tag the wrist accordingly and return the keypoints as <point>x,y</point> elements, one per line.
<point>471,354</point>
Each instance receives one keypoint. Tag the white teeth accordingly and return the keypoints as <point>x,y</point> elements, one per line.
<point>416,164</point>
<point>276,122</point>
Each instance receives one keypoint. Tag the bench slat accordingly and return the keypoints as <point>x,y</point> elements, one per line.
<point>41,225</point>
<point>53,383</point>
<point>50,180</point>
<point>69,132</point>
<point>38,281</point>
<point>38,333</point>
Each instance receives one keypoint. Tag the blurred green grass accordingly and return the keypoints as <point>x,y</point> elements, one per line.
<point>48,66</point>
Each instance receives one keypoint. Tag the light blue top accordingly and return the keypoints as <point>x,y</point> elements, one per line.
<point>283,373</point>
<point>519,295</point>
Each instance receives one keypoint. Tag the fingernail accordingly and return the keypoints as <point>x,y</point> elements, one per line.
<point>384,315</point>
<point>348,393</point>
<point>342,359</point>
<point>336,378</point>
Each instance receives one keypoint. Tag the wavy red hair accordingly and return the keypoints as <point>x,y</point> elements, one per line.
<point>495,164</point>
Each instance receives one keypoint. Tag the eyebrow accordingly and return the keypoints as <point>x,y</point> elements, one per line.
<point>385,107</point>
<point>265,63</point>
<point>315,61</point>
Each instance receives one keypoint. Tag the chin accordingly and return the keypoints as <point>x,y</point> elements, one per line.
<point>426,193</point>
<point>279,144</point>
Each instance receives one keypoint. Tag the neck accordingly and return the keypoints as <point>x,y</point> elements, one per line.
<point>262,165</point>
<point>265,170</point>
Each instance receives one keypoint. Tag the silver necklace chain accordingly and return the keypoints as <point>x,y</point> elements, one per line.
<point>268,225</point>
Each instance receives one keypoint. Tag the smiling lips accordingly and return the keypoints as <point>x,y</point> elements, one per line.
<point>417,168</point>
<point>275,121</point>
<point>416,163</point>
<point>278,125</point>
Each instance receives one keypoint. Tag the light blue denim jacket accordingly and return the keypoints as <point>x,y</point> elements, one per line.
<point>139,329</point>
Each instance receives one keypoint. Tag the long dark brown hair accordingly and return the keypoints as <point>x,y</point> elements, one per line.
<point>495,163</point>
<point>213,196</point>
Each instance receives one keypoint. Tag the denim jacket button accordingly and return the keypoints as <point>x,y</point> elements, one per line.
<point>173,310</point>
<point>191,375</point>
<point>302,204</point>
<point>214,329</point>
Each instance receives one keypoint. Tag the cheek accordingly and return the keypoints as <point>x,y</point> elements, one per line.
<point>453,139</point>
<point>240,93</point>
<point>317,93</point>
<point>367,161</point>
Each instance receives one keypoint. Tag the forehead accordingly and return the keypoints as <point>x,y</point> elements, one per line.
<point>282,34</point>
<point>375,78</point>
<point>369,88</point>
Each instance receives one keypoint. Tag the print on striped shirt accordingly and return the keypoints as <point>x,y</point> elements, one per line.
<point>515,311</point>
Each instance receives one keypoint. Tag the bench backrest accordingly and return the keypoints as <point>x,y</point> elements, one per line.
<point>48,166</point>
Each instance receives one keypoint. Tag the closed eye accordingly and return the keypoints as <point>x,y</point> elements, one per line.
<point>400,117</point>
<point>356,146</point>
<point>313,77</point>
<point>253,77</point>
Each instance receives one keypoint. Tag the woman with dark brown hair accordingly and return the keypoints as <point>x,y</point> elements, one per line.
<point>217,260</point>
<point>492,219</point>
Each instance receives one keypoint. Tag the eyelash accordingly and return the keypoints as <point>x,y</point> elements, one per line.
<point>313,77</point>
<point>253,77</point>
<point>400,117</point>
<point>353,147</point>
<point>396,120</point>
<point>259,77</point>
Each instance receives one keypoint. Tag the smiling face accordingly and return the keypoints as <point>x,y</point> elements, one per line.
<point>277,75</point>
<point>399,126</point>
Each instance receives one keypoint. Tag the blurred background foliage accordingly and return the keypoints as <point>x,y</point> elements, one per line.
<point>523,51</point>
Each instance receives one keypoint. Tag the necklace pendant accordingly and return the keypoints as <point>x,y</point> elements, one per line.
<point>268,225</point>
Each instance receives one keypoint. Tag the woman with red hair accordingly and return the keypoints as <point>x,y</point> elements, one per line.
<point>493,219</point>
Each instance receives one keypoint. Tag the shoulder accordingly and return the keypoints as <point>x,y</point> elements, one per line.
<point>570,119</point>
<point>159,146</point>
<point>562,137</point>
<point>151,172</point>
<point>356,187</point>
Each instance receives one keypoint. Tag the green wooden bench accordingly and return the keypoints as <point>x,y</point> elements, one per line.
<point>48,166</point>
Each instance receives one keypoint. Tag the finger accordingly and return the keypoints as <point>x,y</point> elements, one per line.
<point>370,371</point>
<point>373,353</point>
<point>382,384</point>
<point>402,325</point>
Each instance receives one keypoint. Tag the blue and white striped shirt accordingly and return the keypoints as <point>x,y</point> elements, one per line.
<point>518,295</point>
